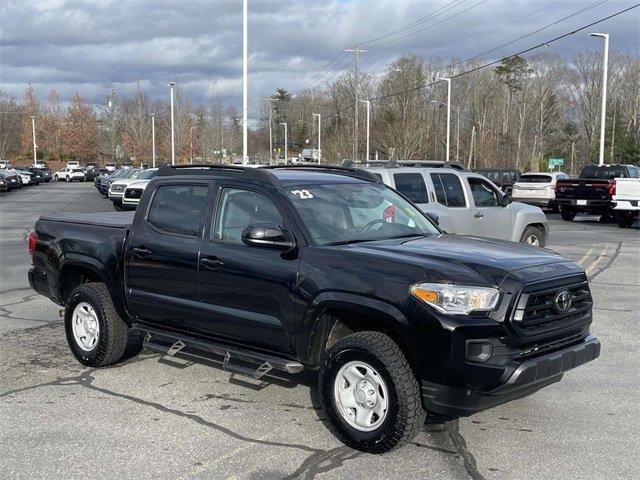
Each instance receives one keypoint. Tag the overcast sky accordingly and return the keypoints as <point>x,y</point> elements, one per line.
<point>92,46</point>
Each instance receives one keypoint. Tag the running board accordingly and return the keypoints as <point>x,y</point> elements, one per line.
<point>233,360</point>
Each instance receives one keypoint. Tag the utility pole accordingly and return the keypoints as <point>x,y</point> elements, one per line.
<point>319,146</point>
<point>613,130</point>
<point>245,111</point>
<point>448,80</point>
<point>368,104</point>
<point>173,130</point>
<point>473,143</point>
<point>33,128</point>
<point>153,139</point>
<point>112,105</point>
<point>286,151</point>
<point>573,151</point>
<point>603,111</point>
<point>270,131</point>
<point>356,53</point>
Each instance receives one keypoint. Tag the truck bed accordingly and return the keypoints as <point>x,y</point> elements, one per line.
<point>103,219</point>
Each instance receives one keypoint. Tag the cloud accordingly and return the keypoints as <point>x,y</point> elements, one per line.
<point>92,46</point>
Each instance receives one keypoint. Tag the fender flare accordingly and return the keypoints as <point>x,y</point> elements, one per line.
<point>316,326</point>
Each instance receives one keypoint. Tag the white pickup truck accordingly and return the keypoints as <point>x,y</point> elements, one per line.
<point>626,200</point>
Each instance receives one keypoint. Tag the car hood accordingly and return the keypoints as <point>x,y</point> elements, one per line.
<point>462,259</point>
<point>139,184</point>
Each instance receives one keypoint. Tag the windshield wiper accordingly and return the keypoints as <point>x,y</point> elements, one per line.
<point>347,242</point>
<point>407,235</point>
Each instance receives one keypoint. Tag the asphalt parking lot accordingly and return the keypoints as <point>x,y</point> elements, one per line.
<point>153,417</point>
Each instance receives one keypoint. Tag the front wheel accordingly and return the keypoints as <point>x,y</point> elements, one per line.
<point>95,332</point>
<point>533,236</point>
<point>568,213</point>
<point>370,393</point>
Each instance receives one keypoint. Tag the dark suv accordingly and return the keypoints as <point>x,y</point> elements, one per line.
<point>502,177</point>
<point>320,268</point>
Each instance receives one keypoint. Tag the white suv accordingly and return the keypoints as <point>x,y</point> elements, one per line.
<point>5,164</point>
<point>468,204</point>
<point>538,189</point>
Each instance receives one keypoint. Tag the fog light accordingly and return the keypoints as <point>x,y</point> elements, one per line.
<point>478,350</point>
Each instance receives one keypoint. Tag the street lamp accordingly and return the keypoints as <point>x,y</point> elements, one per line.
<point>457,109</point>
<point>368,104</point>
<point>448,80</point>
<point>603,112</point>
<point>173,131</point>
<point>286,151</point>
<point>153,139</point>
<point>319,135</point>
<point>33,128</point>
<point>245,157</point>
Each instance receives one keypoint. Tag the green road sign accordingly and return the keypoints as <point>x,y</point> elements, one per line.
<point>556,162</point>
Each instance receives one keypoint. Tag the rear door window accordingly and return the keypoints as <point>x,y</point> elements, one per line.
<point>449,190</point>
<point>178,209</point>
<point>412,186</point>
<point>536,179</point>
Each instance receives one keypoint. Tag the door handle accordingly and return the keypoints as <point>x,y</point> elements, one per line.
<point>479,215</point>
<point>210,262</point>
<point>141,251</point>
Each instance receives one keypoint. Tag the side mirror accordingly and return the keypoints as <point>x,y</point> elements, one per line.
<point>505,200</point>
<point>267,236</point>
<point>433,217</point>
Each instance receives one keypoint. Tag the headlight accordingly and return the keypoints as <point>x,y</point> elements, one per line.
<point>456,299</point>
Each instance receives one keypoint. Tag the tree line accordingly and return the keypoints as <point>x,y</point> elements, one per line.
<point>518,114</point>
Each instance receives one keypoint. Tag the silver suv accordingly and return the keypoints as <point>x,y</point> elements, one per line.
<point>467,203</point>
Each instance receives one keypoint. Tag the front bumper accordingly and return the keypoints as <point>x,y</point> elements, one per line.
<point>517,379</point>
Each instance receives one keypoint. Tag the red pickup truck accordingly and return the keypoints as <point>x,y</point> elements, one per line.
<point>591,192</point>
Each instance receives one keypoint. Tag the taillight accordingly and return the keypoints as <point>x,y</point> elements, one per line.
<point>612,188</point>
<point>33,238</point>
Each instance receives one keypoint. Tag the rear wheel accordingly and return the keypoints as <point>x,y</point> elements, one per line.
<point>370,393</point>
<point>95,332</point>
<point>568,213</point>
<point>625,219</point>
<point>533,236</point>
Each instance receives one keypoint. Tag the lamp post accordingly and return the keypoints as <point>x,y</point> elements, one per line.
<point>319,136</point>
<point>448,80</point>
<point>286,151</point>
<point>33,128</point>
<point>173,131</point>
<point>368,104</point>
<point>603,111</point>
<point>457,109</point>
<point>245,157</point>
<point>153,139</point>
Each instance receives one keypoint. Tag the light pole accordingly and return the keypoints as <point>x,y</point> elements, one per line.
<point>112,106</point>
<point>319,136</point>
<point>457,109</point>
<point>448,80</point>
<point>603,112</point>
<point>368,104</point>
<point>286,151</point>
<point>173,131</point>
<point>153,139</point>
<point>33,128</point>
<point>245,157</point>
<point>271,130</point>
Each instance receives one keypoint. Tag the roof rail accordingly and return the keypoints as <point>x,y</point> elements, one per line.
<point>195,169</point>
<point>351,172</point>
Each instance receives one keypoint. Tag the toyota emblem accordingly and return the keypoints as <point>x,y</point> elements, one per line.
<point>563,301</point>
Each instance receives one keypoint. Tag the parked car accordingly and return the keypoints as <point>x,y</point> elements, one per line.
<point>133,190</point>
<point>3,185</point>
<point>102,182</point>
<point>287,269</point>
<point>12,180</point>
<point>90,173</point>
<point>44,171</point>
<point>591,192</point>
<point>5,164</point>
<point>37,176</point>
<point>25,177</point>
<point>118,175</point>
<point>111,167</point>
<point>468,204</point>
<point>626,201</point>
<point>70,174</point>
<point>538,188</point>
<point>73,163</point>
<point>116,189</point>
<point>504,178</point>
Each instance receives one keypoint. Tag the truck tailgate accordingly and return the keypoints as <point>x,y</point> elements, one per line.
<point>583,189</point>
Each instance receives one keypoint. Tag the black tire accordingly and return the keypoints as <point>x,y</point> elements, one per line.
<point>625,219</point>
<point>405,415</point>
<point>607,218</point>
<point>113,331</point>
<point>118,207</point>
<point>536,232</point>
<point>568,213</point>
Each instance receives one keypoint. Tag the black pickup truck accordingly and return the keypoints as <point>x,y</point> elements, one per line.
<point>319,268</point>
<point>592,191</point>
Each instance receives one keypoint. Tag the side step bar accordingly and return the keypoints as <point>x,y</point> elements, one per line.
<point>252,364</point>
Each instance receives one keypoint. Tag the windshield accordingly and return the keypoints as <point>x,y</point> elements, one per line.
<point>146,174</point>
<point>357,212</point>
<point>130,173</point>
<point>603,173</point>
